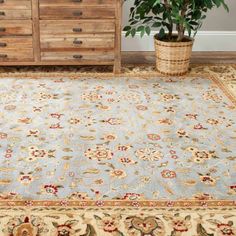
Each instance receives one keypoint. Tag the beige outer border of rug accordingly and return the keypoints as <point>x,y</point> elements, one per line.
<point>120,203</point>
<point>223,87</point>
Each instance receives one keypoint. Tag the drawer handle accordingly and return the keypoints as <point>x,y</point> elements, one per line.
<point>1,1</point>
<point>77,56</point>
<point>77,42</point>
<point>2,29</point>
<point>78,13</point>
<point>3,45</point>
<point>2,13</point>
<point>3,55</point>
<point>77,30</point>
<point>78,1</point>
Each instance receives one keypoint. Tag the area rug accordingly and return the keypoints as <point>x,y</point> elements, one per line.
<point>117,155</point>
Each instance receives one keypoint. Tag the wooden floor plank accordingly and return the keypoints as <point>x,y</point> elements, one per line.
<point>197,57</point>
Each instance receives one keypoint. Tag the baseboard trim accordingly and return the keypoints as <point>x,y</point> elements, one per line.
<point>204,41</point>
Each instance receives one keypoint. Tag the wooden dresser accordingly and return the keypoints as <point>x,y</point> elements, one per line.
<point>60,32</point>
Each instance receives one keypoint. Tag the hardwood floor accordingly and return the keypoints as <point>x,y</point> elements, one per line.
<point>197,57</point>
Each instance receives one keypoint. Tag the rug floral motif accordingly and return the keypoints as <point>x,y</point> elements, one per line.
<point>124,155</point>
<point>116,222</point>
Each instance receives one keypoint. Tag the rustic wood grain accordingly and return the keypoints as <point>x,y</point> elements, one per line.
<point>76,12</point>
<point>15,5</point>
<point>73,3</point>
<point>117,64</point>
<point>89,55</point>
<point>15,27</point>
<point>96,41</point>
<point>68,27</point>
<point>14,14</point>
<point>16,54</point>
<point>36,30</point>
<point>16,42</point>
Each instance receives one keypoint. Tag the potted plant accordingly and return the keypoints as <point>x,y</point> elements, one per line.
<point>173,18</point>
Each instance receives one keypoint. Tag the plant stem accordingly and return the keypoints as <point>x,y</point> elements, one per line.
<point>180,27</point>
<point>170,28</point>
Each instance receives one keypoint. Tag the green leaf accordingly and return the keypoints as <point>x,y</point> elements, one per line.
<point>133,32</point>
<point>156,24</point>
<point>148,30</point>
<point>142,33</point>
<point>140,28</point>
<point>225,6</point>
<point>127,33</point>
<point>217,2</point>
<point>127,28</point>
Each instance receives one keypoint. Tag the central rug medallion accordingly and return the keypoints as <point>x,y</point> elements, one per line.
<point>116,142</point>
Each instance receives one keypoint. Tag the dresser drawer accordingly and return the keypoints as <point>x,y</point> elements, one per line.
<point>76,13</point>
<point>16,42</point>
<point>83,41</point>
<point>12,28</point>
<point>15,4</point>
<point>74,28</point>
<point>75,3</point>
<point>14,14</point>
<point>13,55</point>
<point>79,56</point>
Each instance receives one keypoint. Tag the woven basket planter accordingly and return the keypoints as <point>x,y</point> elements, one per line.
<point>173,58</point>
